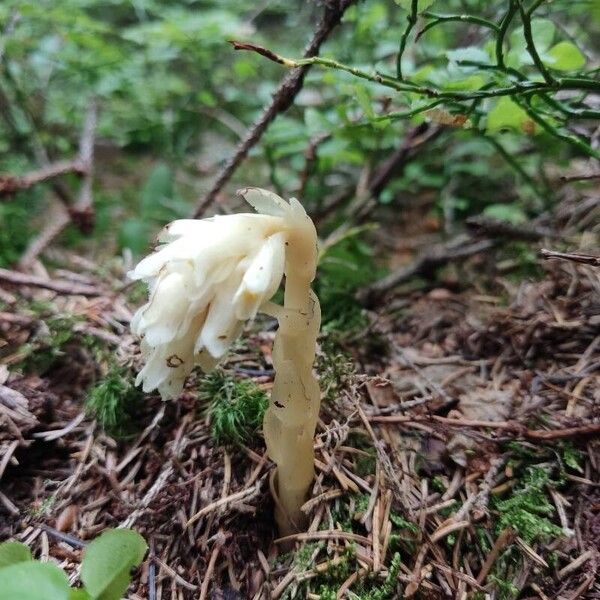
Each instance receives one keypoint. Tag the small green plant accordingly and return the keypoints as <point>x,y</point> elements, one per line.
<point>105,570</point>
<point>235,407</point>
<point>113,401</point>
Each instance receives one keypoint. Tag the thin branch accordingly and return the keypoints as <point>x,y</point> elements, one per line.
<point>584,259</point>
<point>530,43</point>
<point>10,184</point>
<point>514,163</point>
<point>412,20</point>
<point>62,287</point>
<point>283,98</point>
<point>437,19</point>
<point>571,139</point>
<point>519,88</point>
<point>497,228</point>
<point>82,212</point>
<point>459,248</point>
<point>504,25</point>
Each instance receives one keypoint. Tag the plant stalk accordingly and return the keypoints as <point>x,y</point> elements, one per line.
<point>291,419</point>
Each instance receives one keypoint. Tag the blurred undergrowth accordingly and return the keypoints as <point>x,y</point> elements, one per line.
<point>175,99</point>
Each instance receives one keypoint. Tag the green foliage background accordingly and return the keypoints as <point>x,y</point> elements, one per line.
<point>175,99</point>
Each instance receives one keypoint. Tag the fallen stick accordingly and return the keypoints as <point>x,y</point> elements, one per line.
<point>498,228</point>
<point>584,259</point>
<point>10,184</point>
<point>61,287</point>
<point>511,426</point>
<point>461,247</point>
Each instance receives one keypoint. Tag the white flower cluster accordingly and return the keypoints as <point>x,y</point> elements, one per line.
<point>206,279</point>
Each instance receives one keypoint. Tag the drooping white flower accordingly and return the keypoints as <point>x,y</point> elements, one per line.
<point>206,279</point>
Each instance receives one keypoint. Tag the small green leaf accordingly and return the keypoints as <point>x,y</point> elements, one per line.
<point>565,56</point>
<point>12,553</point>
<point>506,114</point>
<point>157,188</point>
<point>108,560</point>
<point>33,580</point>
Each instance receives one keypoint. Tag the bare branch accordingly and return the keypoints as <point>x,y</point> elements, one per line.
<point>498,228</point>
<point>584,259</point>
<point>283,98</point>
<point>461,247</point>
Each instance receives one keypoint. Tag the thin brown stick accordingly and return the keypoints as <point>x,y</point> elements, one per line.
<point>459,248</point>
<point>62,287</point>
<point>498,228</point>
<point>511,426</point>
<point>10,184</point>
<point>82,212</point>
<point>584,259</point>
<point>283,98</point>
<point>505,538</point>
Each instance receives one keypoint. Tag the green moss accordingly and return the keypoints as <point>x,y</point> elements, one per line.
<point>528,510</point>
<point>114,402</point>
<point>235,407</point>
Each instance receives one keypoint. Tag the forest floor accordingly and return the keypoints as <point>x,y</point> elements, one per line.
<point>457,454</point>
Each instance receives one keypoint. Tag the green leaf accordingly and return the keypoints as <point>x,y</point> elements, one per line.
<point>421,4</point>
<point>108,560</point>
<point>12,553</point>
<point>506,212</point>
<point>565,56</point>
<point>506,114</point>
<point>33,580</point>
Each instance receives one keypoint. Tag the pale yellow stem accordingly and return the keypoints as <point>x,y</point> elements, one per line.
<point>291,419</point>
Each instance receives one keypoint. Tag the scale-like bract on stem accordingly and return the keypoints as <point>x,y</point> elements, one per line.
<point>208,278</point>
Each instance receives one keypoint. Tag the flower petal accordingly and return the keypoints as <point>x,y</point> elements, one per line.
<point>264,201</point>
